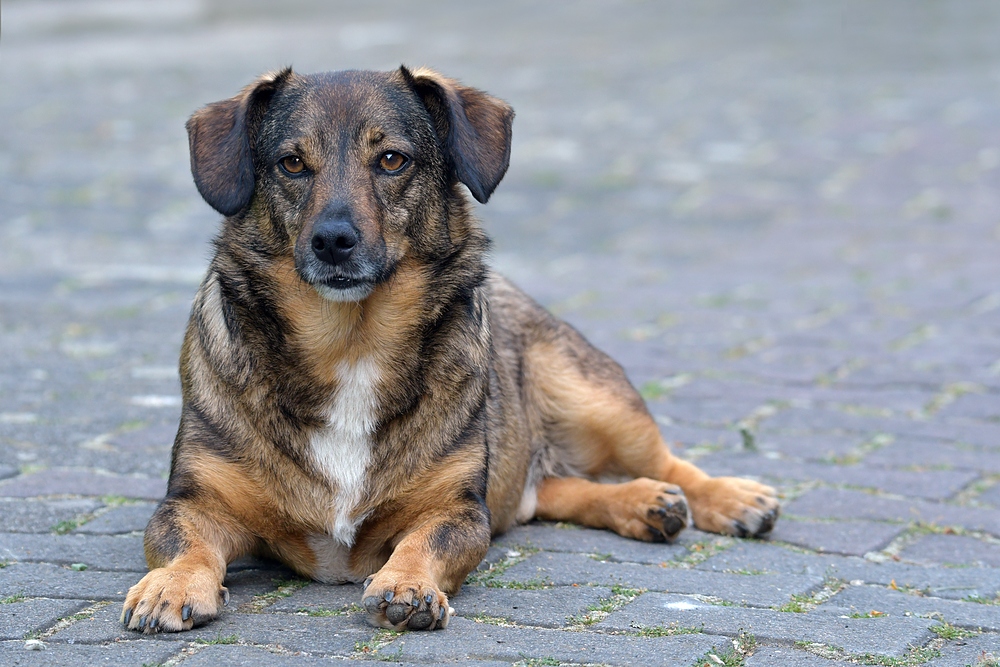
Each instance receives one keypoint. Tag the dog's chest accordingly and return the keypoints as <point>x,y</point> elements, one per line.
<point>342,449</point>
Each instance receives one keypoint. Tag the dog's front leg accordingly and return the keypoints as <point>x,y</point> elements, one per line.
<point>428,564</point>
<point>188,550</point>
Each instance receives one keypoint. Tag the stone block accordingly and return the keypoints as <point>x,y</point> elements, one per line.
<point>953,550</point>
<point>932,484</point>
<point>764,590</point>
<point>849,504</point>
<point>578,539</point>
<point>124,519</point>
<point>97,552</point>
<point>319,597</point>
<point>465,640</point>
<point>59,482</point>
<point>852,538</point>
<point>882,636</point>
<point>865,599</point>
<point>18,618</point>
<point>53,581</point>
<point>39,516</point>
<point>549,608</point>
<point>122,654</point>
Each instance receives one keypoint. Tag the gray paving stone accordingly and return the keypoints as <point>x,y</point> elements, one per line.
<point>932,484</point>
<point>467,640</point>
<point>971,652</point>
<point>814,447</point>
<point>17,619</point>
<point>864,599</point>
<point>853,538</point>
<point>848,504</point>
<point>566,569</point>
<point>53,581</point>
<point>547,608</point>
<point>319,597</point>
<point>930,453</point>
<point>82,483</point>
<point>953,550</point>
<point>252,656</point>
<point>97,552</point>
<point>328,635</point>
<point>125,654</point>
<point>39,516</point>
<point>952,583</point>
<point>577,539</point>
<point>124,519</point>
<point>7,471</point>
<point>652,610</point>
<point>779,656</point>
<point>990,496</point>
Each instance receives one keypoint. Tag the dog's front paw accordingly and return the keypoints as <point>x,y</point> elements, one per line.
<point>396,601</point>
<point>734,506</point>
<point>171,599</point>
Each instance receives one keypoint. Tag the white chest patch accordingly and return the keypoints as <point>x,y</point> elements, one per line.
<point>342,449</point>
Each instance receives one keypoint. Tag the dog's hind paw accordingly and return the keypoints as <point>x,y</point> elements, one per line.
<point>173,599</point>
<point>734,506</point>
<point>399,603</point>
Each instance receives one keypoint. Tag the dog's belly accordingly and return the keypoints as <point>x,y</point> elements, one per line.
<point>332,560</point>
<point>342,449</point>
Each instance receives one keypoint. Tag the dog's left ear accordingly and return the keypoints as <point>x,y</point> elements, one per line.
<point>474,129</point>
<point>221,137</point>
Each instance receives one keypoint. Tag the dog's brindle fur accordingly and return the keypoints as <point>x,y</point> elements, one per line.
<point>385,415</point>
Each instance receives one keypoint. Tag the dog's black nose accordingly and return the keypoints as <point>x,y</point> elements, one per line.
<point>333,241</point>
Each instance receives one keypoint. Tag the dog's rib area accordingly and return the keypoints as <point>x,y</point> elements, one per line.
<point>342,449</point>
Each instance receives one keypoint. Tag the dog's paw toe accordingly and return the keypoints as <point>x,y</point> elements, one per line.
<point>649,510</point>
<point>173,599</point>
<point>734,506</point>
<point>399,603</point>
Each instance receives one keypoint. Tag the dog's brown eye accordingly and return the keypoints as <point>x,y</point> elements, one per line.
<point>292,164</point>
<point>392,161</point>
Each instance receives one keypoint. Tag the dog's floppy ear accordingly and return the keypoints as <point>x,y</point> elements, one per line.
<point>221,139</point>
<point>474,129</point>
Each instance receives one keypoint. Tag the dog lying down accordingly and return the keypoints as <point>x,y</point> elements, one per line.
<point>364,399</point>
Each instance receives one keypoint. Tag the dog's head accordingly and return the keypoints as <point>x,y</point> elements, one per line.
<point>349,171</point>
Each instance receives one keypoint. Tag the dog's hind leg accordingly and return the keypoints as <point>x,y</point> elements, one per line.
<point>643,509</point>
<point>599,424</point>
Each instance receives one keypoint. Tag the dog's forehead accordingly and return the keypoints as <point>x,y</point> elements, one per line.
<point>354,99</point>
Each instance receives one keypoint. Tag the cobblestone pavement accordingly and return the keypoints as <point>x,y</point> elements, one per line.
<point>782,217</point>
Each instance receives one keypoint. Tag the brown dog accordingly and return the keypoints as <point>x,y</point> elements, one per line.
<point>362,396</point>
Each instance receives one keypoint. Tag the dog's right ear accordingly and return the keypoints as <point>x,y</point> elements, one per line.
<point>221,138</point>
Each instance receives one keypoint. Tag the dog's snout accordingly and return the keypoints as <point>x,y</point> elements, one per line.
<point>333,241</point>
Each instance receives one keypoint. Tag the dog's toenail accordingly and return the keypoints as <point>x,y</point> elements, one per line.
<point>185,612</point>
<point>389,595</point>
<point>142,622</point>
<point>428,598</point>
<point>368,582</point>
<point>128,616</point>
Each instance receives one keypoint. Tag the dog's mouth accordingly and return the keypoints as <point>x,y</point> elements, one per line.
<point>342,283</point>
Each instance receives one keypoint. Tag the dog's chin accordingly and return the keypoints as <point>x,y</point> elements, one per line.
<point>345,289</point>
